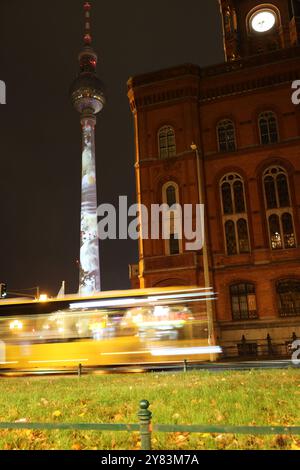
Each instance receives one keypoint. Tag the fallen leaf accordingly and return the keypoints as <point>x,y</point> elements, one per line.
<point>118,417</point>
<point>220,418</point>
<point>76,447</point>
<point>56,414</point>
<point>295,446</point>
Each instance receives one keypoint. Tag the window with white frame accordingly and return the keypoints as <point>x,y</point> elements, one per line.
<point>167,142</point>
<point>268,128</point>
<point>243,301</point>
<point>279,211</point>
<point>226,136</point>
<point>288,296</point>
<point>235,217</point>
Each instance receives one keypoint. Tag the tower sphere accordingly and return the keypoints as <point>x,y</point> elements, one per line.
<point>87,93</point>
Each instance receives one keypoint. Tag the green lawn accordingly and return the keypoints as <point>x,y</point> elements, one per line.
<point>232,398</point>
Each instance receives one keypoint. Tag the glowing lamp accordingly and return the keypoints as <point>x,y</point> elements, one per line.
<point>16,325</point>
<point>43,298</point>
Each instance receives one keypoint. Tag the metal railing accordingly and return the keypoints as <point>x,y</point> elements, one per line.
<point>146,429</point>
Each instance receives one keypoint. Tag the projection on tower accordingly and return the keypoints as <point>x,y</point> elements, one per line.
<point>88,99</point>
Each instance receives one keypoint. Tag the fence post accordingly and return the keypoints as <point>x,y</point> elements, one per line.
<point>185,366</point>
<point>79,370</point>
<point>145,417</point>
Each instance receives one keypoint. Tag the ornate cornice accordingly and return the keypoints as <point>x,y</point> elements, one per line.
<point>163,75</point>
<point>202,89</point>
<point>250,85</point>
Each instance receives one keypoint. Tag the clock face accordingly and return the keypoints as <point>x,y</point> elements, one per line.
<point>263,21</point>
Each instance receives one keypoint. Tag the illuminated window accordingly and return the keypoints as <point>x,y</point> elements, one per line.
<point>288,231</point>
<point>243,301</point>
<point>275,232</point>
<point>278,209</point>
<point>288,294</point>
<point>226,136</point>
<point>167,142</point>
<point>268,128</point>
<point>235,218</point>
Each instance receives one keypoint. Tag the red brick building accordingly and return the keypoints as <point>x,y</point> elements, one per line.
<point>246,131</point>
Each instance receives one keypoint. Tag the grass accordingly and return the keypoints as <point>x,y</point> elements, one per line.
<point>227,398</point>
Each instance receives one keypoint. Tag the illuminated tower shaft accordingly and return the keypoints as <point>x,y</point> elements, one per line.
<point>88,99</point>
<point>89,243</point>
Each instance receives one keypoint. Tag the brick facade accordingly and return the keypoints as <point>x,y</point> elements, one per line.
<point>192,101</point>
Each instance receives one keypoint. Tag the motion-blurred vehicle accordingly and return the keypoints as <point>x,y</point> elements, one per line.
<point>147,326</point>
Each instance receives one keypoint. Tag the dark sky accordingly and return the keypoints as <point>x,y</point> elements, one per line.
<point>40,144</point>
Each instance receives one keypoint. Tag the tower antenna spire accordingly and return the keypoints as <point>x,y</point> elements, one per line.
<point>87,38</point>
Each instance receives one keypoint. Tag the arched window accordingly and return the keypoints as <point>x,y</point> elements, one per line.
<point>279,209</point>
<point>243,301</point>
<point>167,142</point>
<point>288,294</point>
<point>235,218</point>
<point>173,218</point>
<point>171,195</point>
<point>226,136</point>
<point>268,128</point>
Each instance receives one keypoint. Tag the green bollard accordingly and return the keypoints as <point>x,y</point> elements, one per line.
<point>145,417</point>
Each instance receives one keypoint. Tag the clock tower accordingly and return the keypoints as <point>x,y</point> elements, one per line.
<point>253,27</point>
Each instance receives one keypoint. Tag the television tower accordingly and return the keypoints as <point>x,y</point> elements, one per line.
<point>88,99</point>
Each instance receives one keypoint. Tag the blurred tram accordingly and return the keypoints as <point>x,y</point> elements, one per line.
<point>134,327</point>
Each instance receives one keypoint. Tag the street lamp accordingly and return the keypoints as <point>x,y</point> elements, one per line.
<point>207,280</point>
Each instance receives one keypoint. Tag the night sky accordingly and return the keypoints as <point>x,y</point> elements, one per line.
<point>40,144</point>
